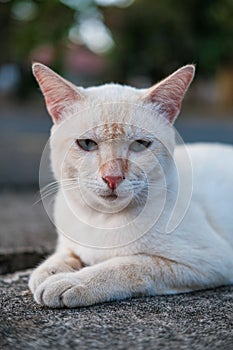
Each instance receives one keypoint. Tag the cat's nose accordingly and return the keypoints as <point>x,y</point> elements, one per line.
<point>113,181</point>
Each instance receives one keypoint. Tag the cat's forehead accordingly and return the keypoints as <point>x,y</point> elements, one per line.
<point>113,92</point>
<point>104,119</point>
<point>112,119</point>
<point>113,131</point>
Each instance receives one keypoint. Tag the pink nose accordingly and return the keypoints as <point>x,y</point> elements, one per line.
<point>113,181</point>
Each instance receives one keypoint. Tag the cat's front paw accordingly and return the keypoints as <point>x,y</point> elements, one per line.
<point>37,277</point>
<point>64,290</point>
<point>52,266</point>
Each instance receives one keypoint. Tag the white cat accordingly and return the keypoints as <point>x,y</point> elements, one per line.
<point>133,215</point>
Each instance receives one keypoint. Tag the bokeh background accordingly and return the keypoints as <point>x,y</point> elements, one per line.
<point>135,42</point>
<point>95,41</point>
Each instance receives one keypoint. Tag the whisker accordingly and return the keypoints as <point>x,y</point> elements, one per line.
<point>44,197</point>
<point>53,187</point>
<point>56,184</point>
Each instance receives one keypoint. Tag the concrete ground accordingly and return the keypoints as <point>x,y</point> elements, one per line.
<point>26,233</point>
<point>200,320</point>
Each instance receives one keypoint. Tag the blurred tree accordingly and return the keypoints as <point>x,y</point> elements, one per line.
<point>31,24</point>
<point>151,37</point>
<point>43,30</point>
<point>27,25</point>
<point>154,37</point>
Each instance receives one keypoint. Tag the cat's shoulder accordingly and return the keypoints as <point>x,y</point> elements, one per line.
<point>213,160</point>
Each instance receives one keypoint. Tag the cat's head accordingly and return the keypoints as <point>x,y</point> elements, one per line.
<point>110,142</point>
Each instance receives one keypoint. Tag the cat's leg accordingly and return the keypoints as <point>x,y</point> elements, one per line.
<point>58,262</point>
<point>120,278</point>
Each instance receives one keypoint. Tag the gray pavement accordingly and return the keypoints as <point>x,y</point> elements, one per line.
<point>26,233</point>
<point>200,320</point>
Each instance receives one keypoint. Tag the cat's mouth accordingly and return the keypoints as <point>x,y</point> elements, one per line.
<point>110,197</point>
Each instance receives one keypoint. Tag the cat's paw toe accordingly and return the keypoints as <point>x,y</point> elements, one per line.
<point>76,296</point>
<point>49,269</point>
<point>51,291</point>
<point>36,278</point>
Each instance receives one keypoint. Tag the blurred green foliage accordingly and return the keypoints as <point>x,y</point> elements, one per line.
<point>155,37</point>
<point>151,37</point>
<point>49,23</point>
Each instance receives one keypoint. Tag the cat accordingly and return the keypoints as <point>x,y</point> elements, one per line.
<point>136,213</point>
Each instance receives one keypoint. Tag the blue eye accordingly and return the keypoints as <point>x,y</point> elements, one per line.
<point>139,145</point>
<point>87,145</point>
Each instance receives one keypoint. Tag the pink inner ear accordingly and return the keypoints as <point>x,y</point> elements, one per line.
<point>169,93</point>
<point>59,94</point>
<point>58,102</point>
<point>169,101</point>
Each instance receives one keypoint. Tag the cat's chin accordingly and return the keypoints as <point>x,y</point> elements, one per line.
<point>110,203</point>
<point>110,197</point>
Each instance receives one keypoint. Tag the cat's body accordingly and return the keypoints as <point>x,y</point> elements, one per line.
<point>208,209</point>
<point>139,221</point>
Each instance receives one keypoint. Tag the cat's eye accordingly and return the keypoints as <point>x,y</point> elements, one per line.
<point>139,145</point>
<point>87,144</point>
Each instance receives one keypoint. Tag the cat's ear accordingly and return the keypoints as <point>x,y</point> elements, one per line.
<point>169,93</point>
<point>59,93</point>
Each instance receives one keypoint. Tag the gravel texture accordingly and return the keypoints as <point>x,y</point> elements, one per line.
<point>200,320</point>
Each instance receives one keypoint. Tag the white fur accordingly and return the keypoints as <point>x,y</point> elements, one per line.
<point>132,251</point>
